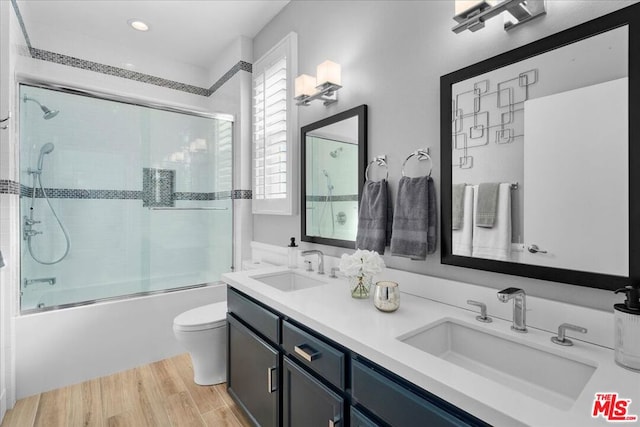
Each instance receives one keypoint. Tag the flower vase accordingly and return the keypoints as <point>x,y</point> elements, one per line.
<point>360,286</point>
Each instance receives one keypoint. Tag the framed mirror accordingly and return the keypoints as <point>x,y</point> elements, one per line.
<point>334,158</point>
<point>539,176</point>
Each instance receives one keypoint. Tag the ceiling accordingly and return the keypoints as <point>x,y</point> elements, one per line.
<point>187,31</point>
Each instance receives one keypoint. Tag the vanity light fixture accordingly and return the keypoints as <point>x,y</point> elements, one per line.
<point>137,24</point>
<point>472,14</point>
<point>323,87</point>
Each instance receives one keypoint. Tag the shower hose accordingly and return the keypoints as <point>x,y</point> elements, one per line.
<point>55,215</point>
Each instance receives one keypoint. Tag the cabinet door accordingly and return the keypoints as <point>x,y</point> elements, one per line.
<point>358,419</point>
<point>252,374</point>
<point>307,402</point>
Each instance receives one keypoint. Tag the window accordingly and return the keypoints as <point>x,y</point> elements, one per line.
<point>274,129</point>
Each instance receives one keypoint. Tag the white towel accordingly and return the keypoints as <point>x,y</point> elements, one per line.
<point>494,243</point>
<point>463,237</point>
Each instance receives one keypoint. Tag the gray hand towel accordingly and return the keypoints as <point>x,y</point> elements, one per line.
<point>487,204</point>
<point>373,217</point>
<point>457,206</point>
<point>415,217</point>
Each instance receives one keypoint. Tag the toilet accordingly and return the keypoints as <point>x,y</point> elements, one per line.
<point>202,331</point>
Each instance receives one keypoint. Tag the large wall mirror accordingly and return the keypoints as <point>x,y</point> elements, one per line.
<point>334,155</point>
<point>539,175</point>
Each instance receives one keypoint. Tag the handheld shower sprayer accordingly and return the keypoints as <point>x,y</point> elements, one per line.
<point>326,174</point>
<point>46,149</point>
<point>28,231</point>
<point>47,113</point>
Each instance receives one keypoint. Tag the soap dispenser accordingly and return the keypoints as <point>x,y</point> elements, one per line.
<point>627,329</point>
<point>293,253</point>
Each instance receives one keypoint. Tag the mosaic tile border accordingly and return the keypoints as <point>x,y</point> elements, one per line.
<point>8,186</point>
<point>344,198</point>
<point>70,193</point>
<point>109,70</point>
<point>124,73</point>
<point>241,194</point>
<point>12,187</point>
<point>16,9</point>
<point>240,66</point>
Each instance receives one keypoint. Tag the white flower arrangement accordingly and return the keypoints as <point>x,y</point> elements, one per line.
<point>361,263</point>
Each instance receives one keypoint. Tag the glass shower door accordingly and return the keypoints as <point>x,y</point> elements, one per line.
<point>119,199</point>
<point>190,214</point>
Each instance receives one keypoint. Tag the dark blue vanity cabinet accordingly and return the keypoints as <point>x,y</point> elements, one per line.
<point>284,374</point>
<point>253,359</point>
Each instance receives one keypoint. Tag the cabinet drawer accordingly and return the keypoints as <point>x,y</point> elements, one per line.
<point>259,318</point>
<point>317,355</point>
<point>397,405</point>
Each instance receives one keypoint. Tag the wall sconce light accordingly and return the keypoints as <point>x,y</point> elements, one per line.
<point>472,14</point>
<point>323,87</point>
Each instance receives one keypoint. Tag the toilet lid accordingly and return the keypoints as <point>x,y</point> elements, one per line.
<point>205,317</point>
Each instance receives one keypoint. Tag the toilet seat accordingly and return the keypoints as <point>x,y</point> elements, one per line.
<point>209,316</point>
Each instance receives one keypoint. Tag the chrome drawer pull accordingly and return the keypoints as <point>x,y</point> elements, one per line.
<point>270,379</point>
<point>309,357</point>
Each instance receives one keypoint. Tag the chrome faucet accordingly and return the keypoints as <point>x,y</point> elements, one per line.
<point>561,339</point>
<point>320,258</point>
<point>519,307</point>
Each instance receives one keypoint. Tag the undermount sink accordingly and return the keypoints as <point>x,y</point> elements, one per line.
<point>288,281</point>
<point>545,376</point>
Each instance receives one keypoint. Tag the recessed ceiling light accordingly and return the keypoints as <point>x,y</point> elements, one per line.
<point>137,24</point>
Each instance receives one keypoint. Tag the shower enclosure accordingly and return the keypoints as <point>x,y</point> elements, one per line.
<point>119,199</point>
<point>332,183</point>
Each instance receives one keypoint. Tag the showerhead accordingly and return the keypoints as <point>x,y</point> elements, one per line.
<point>335,152</point>
<point>48,114</point>
<point>46,149</point>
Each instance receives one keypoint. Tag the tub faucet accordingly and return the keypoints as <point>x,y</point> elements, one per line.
<point>519,307</point>
<point>320,258</point>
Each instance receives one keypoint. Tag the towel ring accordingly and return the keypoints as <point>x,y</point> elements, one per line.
<point>423,154</point>
<point>380,161</point>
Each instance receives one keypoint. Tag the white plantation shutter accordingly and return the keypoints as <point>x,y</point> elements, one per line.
<point>274,129</point>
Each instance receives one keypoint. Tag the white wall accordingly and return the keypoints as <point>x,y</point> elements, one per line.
<point>11,42</point>
<point>392,55</point>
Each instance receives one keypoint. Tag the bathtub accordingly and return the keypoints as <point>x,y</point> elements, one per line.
<point>57,348</point>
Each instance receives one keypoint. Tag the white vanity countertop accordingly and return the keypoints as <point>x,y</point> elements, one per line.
<point>358,325</point>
